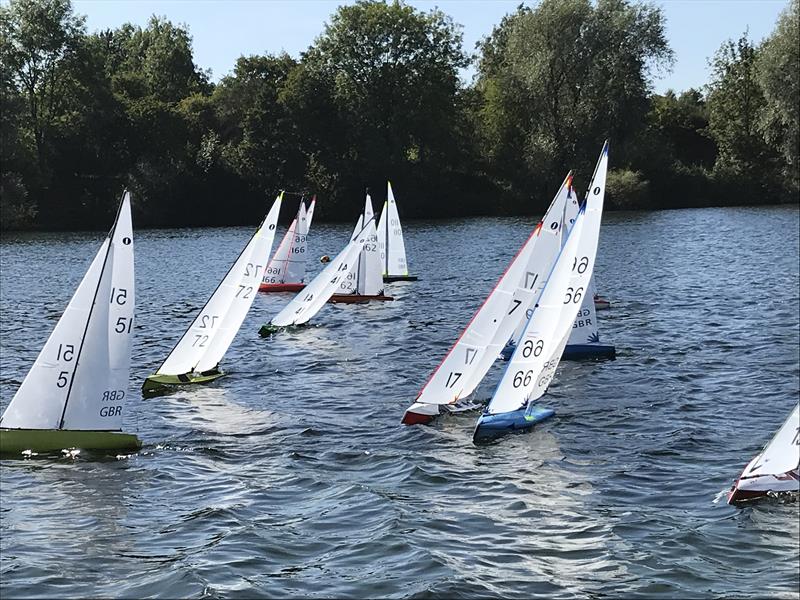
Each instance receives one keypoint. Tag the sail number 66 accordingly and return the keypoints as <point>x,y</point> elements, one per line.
<point>522,378</point>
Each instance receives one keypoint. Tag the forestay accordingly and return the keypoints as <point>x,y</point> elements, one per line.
<point>309,301</point>
<point>475,351</point>
<point>223,313</point>
<point>390,238</point>
<point>79,381</point>
<point>538,352</point>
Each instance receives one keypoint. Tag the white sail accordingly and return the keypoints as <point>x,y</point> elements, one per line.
<point>79,380</point>
<point>198,338</point>
<point>277,267</point>
<point>100,383</point>
<point>310,213</point>
<point>584,328</point>
<point>554,222</point>
<point>390,237</point>
<point>309,301</point>
<point>348,284</point>
<point>475,351</point>
<point>782,454</point>
<point>259,247</point>
<point>370,276</point>
<point>296,267</point>
<point>538,352</point>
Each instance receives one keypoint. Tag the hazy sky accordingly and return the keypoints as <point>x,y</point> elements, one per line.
<point>223,30</point>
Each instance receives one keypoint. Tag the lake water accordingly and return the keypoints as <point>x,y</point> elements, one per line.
<point>292,477</point>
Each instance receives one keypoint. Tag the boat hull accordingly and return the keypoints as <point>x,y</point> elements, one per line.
<point>491,426</point>
<point>159,384</point>
<point>422,413</point>
<point>281,287</point>
<point>574,352</point>
<point>601,303</point>
<point>760,486</point>
<point>393,278</point>
<point>588,351</point>
<point>16,441</point>
<point>357,298</point>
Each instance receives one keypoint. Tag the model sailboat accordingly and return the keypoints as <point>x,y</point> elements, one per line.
<point>584,338</point>
<point>539,350</point>
<point>309,301</point>
<point>286,270</point>
<point>473,354</point>
<point>390,241</point>
<point>75,393</point>
<point>196,356</point>
<point>364,283</point>
<point>776,469</point>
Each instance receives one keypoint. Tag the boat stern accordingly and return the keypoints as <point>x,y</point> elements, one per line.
<point>160,384</point>
<point>752,488</point>
<point>420,413</point>
<point>491,426</point>
<point>589,352</point>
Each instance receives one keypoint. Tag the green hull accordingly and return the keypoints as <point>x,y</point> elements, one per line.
<point>269,329</point>
<point>158,384</point>
<point>15,441</point>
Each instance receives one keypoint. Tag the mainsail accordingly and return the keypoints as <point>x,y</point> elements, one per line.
<point>207,339</point>
<point>391,246</point>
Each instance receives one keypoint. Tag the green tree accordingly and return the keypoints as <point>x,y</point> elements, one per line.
<point>377,97</point>
<point>38,46</point>
<point>256,137</point>
<point>559,78</point>
<point>778,73</point>
<point>734,103</point>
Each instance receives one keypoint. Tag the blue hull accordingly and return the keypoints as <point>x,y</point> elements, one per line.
<point>493,426</point>
<point>588,351</point>
<point>574,352</point>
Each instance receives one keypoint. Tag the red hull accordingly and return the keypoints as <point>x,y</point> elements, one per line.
<point>412,418</point>
<point>356,299</point>
<point>281,287</point>
<point>737,495</point>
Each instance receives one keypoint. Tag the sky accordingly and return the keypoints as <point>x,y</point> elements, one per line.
<point>223,30</point>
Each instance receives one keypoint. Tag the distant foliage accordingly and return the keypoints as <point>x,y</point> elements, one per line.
<point>626,189</point>
<point>778,73</point>
<point>378,96</point>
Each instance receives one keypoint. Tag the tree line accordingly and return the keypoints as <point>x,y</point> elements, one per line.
<point>378,96</point>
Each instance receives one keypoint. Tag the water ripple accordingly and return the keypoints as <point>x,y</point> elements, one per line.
<point>291,477</point>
